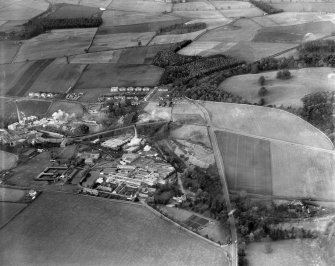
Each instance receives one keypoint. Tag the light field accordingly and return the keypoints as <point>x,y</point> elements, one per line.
<point>174,38</point>
<point>141,6</point>
<point>107,75</point>
<point>193,6</point>
<point>193,133</point>
<point>56,43</point>
<point>281,92</point>
<point>97,57</point>
<point>306,7</point>
<point>21,10</point>
<point>199,47</point>
<point>246,161</point>
<point>247,12</point>
<point>154,113</point>
<point>266,122</point>
<point>99,241</point>
<point>7,161</point>
<point>121,40</point>
<point>302,172</point>
<point>11,194</point>
<point>212,14</point>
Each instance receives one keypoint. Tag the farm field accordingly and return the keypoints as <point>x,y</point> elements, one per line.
<point>9,210</point>
<point>91,242</point>
<point>242,12</point>
<point>33,107</point>
<point>95,58</point>
<point>56,43</point>
<point>247,162</point>
<point>285,252</point>
<point>11,49</point>
<point>149,6</point>
<point>107,75</point>
<point>73,11</point>
<point>281,92</point>
<point>103,42</point>
<point>201,47</point>
<point>266,122</point>
<point>7,160</point>
<point>192,133</point>
<point>292,18</point>
<point>57,78</point>
<point>174,38</point>
<point>311,174</point>
<point>187,113</point>
<point>211,14</point>
<point>14,10</point>
<point>306,6</point>
<point>193,6</point>
<point>11,194</point>
<point>294,33</point>
<point>8,109</point>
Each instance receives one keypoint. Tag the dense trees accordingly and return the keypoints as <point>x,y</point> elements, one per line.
<point>49,24</point>
<point>284,74</point>
<point>262,92</point>
<point>261,81</point>
<point>80,130</point>
<point>266,7</point>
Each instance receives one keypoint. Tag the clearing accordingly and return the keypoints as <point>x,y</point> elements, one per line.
<point>281,92</point>
<point>153,112</point>
<point>120,227</point>
<point>266,122</point>
<point>7,160</point>
<point>107,75</point>
<point>56,43</point>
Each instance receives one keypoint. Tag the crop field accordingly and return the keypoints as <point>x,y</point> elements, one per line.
<point>294,33</point>
<point>187,113</point>
<point>285,252</point>
<point>9,210</point>
<point>306,7</point>
<point>97,57</point>
<point>107,75</point>
<point>199,47</point>
<point>281,92</point>
<point>56,43</point>
<point>33,107</point>
<point>11,25</point>
<point>57,78</point>
<point>10,49</point>
<point>311,174</point>
<point>73,11</point>
<point>98,242</point>
<point>14,11</point>
<point>265,21</point>
<point>292,18</point>
<point>266,122</point>
<point>242,12</point>
<point>11,194</point>
<point>174,38</point>
<point>123,18</point>
<point>7,160</point>
<point>193,6</point>
<point>193,133</point>
<point>67,107</point>
<point>103,42</point>
<point>211,14</point>
<point>149,6</point>
<point>247,162</point>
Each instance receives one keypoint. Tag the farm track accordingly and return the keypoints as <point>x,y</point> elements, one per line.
<point>29,77</point>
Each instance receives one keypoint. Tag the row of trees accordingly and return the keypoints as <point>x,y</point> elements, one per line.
<point>49,24</point>
<point>266,7</point>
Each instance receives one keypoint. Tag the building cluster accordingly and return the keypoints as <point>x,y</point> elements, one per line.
<point>74,96</point>
<point>43,95</point>
<point>57,173</point>
<point>130,89</point>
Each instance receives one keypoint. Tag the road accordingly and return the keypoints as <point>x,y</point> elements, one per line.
<point>220,166</point>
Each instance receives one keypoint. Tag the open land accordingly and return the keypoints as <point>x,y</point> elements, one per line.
<point>73,11</point>
<point>154,113</point>
<point>56,43</point>
<point>33,107</point>
<point>11,194</point>
<point>306,6</point>
<point>7,160</point>
<point>281,92</point>
<point>187,113</point>
<point>148,6</point>
<point>193,133</point>
<point>96,58</point>
<point>13,11</point>
<point>100,242</point>
<point>9,210</point>
<point>11,49</point>
<point>268,123</point>
<point>107,75</point>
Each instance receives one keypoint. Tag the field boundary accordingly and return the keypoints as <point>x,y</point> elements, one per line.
<point>15,215</point>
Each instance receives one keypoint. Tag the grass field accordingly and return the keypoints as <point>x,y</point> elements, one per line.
<point>57,78</point>
<point>103,42</point>
<point>10,49</point>
<point>33,107</point>
<point>11,194</point>
<point>311,174</point>
<point>193,133</point>
<point>56,43</point>
<point>9,210</point>
<point>96,58</point>
<point>247,162</point>
<point>174,38</point>
<point>281,92</point>
<point>73,11</point>
<point>266,122</point>
<point>14,10</point>
<point>294,33</point>
<point>148,6</point>
<point>285,252</point>
<point>92,231</point>
<point>306,6</point>
<point>107,75</point>
<point>193,6</point>
<point>7,160</point>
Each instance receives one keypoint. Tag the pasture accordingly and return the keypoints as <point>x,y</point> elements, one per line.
<point>9,210</point>
<point>56,43</point>
<point>33,107</point>
<point>104,57</point>
<point>300,171</point>
<point>8,109</point>
<point>57,78</point>
<point>192,133</point>
<point>266,122</point>
<point>148,6</point>
<point>101,231</point>
<point>247,162</point>
<point>174,38</point>
<point>306,6</point>
<point>67,11</point>
<point>281,92</point>
<point>107,75</point>
<point>103,42</point>
<point>10,49</point>
<point>11,194</point>
<point>7,160</point>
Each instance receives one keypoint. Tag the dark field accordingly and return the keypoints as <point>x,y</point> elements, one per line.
<point>8,50</point>
<point>64,11</point>
<point>8,211</point>
<point>247,162</point>
<point>293,33</point>
<point>107,75</point>
<point>33,107</point>
<point>78,230</point>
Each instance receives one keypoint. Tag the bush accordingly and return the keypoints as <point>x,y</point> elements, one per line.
<point>262,92</point>
<point>261,80</point>
<point>284,74</point>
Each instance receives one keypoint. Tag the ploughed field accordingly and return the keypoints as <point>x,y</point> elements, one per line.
<point>72,229</point>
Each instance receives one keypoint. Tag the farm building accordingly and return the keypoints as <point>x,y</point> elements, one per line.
<point>116,143</point>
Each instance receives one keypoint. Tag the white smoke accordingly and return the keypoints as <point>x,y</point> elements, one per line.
<point>155,115</point>
<point>62,116</point>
